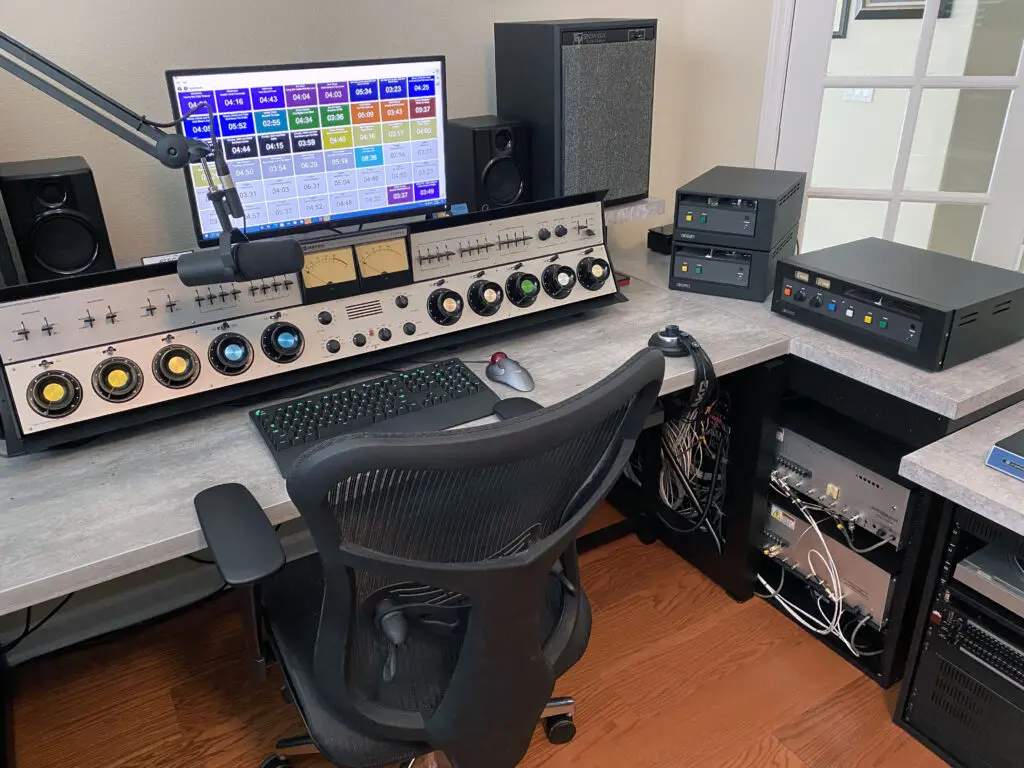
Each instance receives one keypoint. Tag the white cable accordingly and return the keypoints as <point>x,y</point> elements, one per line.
<point>865,550</point>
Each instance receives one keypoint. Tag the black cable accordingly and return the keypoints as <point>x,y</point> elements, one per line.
<point>199,560</point>
<point>175,123</point>
<point>28,632</point>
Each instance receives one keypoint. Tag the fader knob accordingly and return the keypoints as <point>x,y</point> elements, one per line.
<point>54,394</point>
<point>230,354</point>
<point>117,379</point>
<point>522,288</point>
<point>593,272</point>
<point>485,297</point>
<point>175,366</point>
<point>282,342</point>
<point>444,306</point>
<point>559,280</point>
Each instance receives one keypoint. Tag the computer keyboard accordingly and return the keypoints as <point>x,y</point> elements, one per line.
<point>431,397</point>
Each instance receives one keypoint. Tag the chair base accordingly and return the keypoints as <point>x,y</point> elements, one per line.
<point>558,725</point>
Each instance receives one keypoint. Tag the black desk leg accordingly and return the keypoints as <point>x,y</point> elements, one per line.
<point>6,714</point>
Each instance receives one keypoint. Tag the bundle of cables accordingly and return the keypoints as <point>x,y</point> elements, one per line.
<point>695,455</point>
<point>827,623</point>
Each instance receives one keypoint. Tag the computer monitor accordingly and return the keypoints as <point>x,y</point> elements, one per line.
<point>314,144</point>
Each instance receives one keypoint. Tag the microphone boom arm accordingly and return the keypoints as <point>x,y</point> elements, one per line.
<point>172,149</point>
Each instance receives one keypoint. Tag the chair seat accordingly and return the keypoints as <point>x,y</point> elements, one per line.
<point>292,602</point>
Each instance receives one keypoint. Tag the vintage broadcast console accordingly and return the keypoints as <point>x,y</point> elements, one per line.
<point>89,355</point>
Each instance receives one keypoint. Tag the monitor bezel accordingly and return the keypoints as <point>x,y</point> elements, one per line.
<point>441,205</point>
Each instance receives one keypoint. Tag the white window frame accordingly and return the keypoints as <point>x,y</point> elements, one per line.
<point>794,88</point>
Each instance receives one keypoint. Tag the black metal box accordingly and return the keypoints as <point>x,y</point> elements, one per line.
<point>747,208</point>
<point>925,308</point>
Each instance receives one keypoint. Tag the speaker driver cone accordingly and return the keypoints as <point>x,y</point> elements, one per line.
<point>502,181</point>
<point>64,242</point>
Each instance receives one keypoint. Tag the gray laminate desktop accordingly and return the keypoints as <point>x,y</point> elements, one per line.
<point>73,518</point>
<point>955,393</point>
<point>954,468</point>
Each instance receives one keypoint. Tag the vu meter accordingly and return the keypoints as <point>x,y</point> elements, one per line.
<point>383,264</point>
<point>329,272</point>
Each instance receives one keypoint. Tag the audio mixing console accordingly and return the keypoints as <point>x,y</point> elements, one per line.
<point>86,356</point>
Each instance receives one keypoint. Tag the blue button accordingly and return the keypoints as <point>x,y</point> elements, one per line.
<point>234,352</point>
<point>287,340</point>
<point>831,306</point>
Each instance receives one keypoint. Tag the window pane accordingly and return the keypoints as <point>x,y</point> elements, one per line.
<point>980,37</point>
<point>941,227</point>
<point>873,46</point>
<point>858,137</point>
<point>831,222</point>
<point>956,139</point>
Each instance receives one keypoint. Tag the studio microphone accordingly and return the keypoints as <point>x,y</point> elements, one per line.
<point>242,262</point>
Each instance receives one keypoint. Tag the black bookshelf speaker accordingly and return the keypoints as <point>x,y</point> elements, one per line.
<point>488,160</point>
<point>56,219</point>
<point>586,89</point>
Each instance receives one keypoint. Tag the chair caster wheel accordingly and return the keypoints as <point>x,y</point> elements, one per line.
<point>276,761</point>
<point>560,729</point>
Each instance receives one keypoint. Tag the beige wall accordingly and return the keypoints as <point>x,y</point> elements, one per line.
<point>710,68</point>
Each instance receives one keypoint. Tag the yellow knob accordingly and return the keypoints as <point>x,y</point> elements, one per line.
<point>177,365</point>
<point>54,393</point>
<point>597,270</point>
<point>490,295</point>
<point>117,378</point>
<point>450,304</point>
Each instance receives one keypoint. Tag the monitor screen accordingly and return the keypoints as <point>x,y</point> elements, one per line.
<point>310,144</point>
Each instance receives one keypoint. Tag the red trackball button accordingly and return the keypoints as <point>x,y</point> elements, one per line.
<point>498,356</point>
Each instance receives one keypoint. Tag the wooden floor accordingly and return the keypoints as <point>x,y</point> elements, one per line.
<point>676,675</point>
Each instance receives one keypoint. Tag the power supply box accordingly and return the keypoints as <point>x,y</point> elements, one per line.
<point>924,308</point>
<point>853,493</point>
<point>751,209</point>
<point>865,586</point>
<point>731,226</point>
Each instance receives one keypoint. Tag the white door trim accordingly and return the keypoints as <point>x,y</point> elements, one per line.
<point>774,88</point>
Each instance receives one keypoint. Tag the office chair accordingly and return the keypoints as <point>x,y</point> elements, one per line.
<point>444,599</point>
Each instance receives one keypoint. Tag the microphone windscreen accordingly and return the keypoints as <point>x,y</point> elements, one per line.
<point>268,258</point>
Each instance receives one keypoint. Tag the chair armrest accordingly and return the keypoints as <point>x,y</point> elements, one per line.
<point>243,542</point>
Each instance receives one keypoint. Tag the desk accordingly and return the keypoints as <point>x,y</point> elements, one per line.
<point>78,517</point>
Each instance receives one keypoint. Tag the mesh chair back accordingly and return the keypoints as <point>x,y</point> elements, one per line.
<point>468,536</point>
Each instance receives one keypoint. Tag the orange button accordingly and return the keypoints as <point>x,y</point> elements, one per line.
<point>787,291</point>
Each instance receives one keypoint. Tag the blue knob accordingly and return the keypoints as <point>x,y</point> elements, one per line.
<point>287,340</point>
<point>234,352</point>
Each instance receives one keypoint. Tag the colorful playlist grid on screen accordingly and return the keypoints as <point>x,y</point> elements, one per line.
<point>312,145</point>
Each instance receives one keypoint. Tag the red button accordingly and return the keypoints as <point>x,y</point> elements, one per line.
<point>498,356</point>
<point>787,291</point>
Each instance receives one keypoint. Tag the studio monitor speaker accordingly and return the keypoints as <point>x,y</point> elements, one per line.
<point>488,162</point>
<point>586,89</point>
<point>56,220</point>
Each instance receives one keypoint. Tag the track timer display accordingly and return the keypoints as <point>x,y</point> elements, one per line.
<point>319,143</point>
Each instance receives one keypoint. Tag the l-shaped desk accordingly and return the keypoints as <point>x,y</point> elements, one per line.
<point>72,518</point>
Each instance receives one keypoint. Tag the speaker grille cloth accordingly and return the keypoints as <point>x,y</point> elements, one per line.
<point>608,103</point>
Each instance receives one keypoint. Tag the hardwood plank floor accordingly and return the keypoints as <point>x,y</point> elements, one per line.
<point>676,674</point>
